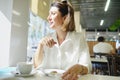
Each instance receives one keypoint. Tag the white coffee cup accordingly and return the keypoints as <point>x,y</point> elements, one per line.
<point>24,67</point>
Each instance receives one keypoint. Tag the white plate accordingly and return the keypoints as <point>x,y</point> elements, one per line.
<point>15,73</point>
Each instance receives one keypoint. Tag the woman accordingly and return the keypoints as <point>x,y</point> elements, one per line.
<point>65,49</point>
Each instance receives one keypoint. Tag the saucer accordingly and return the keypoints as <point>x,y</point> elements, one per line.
<point>15,73</point>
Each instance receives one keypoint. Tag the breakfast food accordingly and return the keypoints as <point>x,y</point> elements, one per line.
<point>53,72</point>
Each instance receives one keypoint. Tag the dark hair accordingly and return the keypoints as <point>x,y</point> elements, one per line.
<point>63,7</point>
<point>101,39</point>
<point>66,10</point>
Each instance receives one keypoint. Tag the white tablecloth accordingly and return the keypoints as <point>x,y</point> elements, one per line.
<point>39,76</point>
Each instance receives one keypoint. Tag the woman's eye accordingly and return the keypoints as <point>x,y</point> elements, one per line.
<point>53,13</point>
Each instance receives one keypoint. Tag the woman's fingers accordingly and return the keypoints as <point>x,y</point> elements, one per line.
<point>72,73</point>
<point>48,41</point>
<point>74,77</point>
<point>65,74</point>
<point>66,77</point>
<point>70,76</point>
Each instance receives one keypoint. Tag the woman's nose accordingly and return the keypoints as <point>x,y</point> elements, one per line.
<point>48,18</point>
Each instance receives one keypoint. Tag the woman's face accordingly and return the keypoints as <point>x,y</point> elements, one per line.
<point>55,19</point>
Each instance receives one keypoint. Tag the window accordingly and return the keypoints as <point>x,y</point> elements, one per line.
<point>38,28</point>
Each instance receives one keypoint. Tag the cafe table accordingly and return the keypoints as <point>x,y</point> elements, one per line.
<point>99,60</point>
<point>40,76</point>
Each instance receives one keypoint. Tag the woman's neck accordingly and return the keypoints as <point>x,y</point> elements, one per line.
<point>61,37</point>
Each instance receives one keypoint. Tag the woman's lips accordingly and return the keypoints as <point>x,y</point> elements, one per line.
<point>51,23</point>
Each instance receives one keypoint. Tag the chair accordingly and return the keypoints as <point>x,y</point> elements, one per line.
<point>111,64</point>
<point>114,64</point>
<point>103,67</point>
<point>117,65</point>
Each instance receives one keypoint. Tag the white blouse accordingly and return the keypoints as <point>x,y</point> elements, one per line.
<point>73,50</point>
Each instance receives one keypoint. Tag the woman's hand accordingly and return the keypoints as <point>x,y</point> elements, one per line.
<point>48,41</point>
<point>73,72</point>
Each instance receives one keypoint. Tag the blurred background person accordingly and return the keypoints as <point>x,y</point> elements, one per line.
<point>103,47</point>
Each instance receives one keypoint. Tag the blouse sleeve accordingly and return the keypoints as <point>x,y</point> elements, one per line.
<point>84,57</point>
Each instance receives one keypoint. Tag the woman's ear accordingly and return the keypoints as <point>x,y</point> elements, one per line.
<point>65,17</point>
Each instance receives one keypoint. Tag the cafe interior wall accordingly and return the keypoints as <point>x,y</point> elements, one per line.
<point>13,32</point>
<point>19,32</point>
<point>5,29</point>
